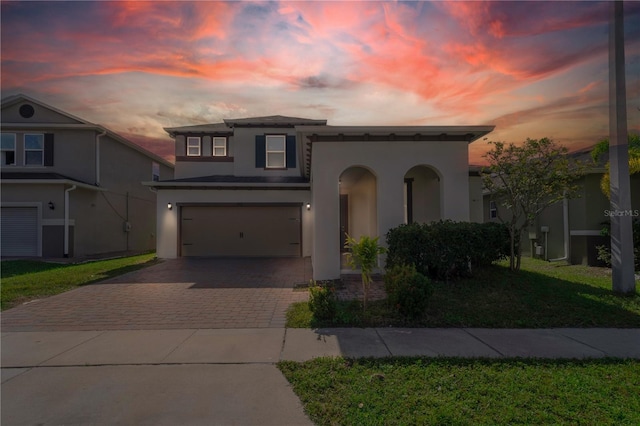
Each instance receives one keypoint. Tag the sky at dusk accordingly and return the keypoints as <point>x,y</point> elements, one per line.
<point>533,69</point>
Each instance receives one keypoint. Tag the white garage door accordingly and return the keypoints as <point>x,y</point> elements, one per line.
<point>246,231</point>
<point>19,231</point>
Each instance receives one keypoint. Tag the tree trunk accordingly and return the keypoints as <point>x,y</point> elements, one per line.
<point>512,232</point>
<point>519,250</point>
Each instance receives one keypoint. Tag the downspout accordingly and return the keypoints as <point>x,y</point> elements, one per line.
<point>98,136</point>
<point>66,220</point>
<point>565,215</point>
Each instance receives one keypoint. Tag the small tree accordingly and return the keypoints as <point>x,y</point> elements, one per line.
<point>602,147</point>
<point>363,254</point>
<point>526,180</point>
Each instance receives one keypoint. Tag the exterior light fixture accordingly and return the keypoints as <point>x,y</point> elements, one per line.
<point>51,205</point>
<point>169,206</point>
<point>308,206</point>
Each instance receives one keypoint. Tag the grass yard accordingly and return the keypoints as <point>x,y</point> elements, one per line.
<point>24,280</point>
<point>415,391</point>
<point>541,295</point>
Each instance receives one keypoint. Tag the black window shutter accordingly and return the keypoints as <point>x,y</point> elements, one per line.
<point>291,152</point>
<point>261,151</point>
<point>48,149</point>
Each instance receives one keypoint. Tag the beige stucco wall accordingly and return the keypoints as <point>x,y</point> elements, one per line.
<point>168,226</point>
<point>389,162</point>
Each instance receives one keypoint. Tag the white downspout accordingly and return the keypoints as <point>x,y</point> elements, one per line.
<point>66,219</point>
<point>98,136</point>
<point>565,215</point>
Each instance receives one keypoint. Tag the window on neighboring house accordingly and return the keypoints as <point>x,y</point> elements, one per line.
<point>33,149</point>
<point>8,149</point>
<point>193,147</point>
<point>493,210</point>
<point>219,147</point>
<point>276,151</point>
<point>155,172</point>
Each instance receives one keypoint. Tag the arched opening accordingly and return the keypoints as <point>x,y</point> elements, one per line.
<point>358,204</point>
<point>422,201</point>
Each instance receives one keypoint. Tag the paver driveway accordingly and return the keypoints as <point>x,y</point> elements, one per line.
<point>177,293</point>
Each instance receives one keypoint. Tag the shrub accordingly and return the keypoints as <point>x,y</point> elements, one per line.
<point>604,252</point>
<point>363,254</point>
<point>408,291</point>
<point>322,301</point>
<point>447,250</point>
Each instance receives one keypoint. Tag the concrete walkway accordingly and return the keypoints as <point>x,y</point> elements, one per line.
<point>228,376</point>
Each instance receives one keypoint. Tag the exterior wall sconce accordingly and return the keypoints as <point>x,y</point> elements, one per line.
<point>51,205</point>
<point>169,206</point>
<point>308,206</point>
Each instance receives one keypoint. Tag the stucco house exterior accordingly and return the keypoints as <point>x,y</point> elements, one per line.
<point>288,186</point>
<point>71,188</point>
<point>570,230</point>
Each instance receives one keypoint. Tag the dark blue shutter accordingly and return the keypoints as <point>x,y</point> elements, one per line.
<point>261,151</point>
<point>48,149</point>
<point>291,152</point>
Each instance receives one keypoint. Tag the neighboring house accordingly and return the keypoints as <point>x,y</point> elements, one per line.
<point>571,229</point>
<point>71,188</point>
<point>286,186</point>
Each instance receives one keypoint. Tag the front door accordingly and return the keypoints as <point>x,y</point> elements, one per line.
<point>344,220</point>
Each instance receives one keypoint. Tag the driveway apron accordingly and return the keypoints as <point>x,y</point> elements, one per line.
<point>174,294</point>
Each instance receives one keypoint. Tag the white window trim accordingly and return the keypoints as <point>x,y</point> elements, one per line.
<point>199,146</point>
<point>25,150</point>
<point>15,138</point>
<point>213,146</point>
<point>283,151</point>
<point>493,210</point>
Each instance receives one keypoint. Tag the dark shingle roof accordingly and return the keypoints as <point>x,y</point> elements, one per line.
<point>243,179</point>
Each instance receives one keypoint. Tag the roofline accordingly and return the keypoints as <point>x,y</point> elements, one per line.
<point>228,185</point>
<point>14,99</point>
<point>53,182</point>
<point>398,130</point>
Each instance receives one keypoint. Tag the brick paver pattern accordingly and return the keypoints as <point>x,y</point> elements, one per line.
<point>177,293</point>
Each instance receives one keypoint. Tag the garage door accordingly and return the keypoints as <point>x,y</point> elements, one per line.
<point>240,231</point>
<point>19,231</point>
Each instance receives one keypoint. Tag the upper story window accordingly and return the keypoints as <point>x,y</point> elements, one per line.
<point>493,210</point>
<point>276,151</point>
<point>193,147</point>
<point>8,149</point>
<point>33,149</point>
<point>219,147</point>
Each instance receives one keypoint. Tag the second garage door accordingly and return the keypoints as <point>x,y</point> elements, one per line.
<point>240,231</point>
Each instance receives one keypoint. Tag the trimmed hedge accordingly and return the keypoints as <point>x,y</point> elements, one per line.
<point>408,291</point>
<point>447,250</point>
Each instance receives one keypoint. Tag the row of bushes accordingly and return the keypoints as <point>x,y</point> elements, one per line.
<point>442,250</point>
<point>408,292</point>
<point>447,250</point>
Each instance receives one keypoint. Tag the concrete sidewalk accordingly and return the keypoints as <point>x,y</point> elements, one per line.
<point>270,345</point>
<point>228,376</point>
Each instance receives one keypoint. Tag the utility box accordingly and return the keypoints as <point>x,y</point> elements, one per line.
<point>126,226</point>
<point>539,251</point>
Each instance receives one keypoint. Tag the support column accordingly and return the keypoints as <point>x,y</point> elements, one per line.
<point>621,229</point>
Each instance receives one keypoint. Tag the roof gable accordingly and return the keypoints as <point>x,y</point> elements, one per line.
<point>22,109</point>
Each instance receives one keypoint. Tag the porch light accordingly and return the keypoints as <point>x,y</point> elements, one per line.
<point>169,206</point>
<point>308,206</point>
<point>51,205</point>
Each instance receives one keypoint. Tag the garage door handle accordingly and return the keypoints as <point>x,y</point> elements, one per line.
<point>187,244</point>
<point>242,235</point>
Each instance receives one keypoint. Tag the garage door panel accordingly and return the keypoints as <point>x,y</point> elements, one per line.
<point>241,231</point>
<point>19,231</point>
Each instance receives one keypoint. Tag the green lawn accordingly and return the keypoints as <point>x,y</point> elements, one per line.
<point>24,280</point>
<point>541,295</point>
<point>448,391</point>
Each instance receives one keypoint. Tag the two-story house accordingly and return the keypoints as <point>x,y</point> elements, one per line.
<point>71,188</point>
<point>286,186</point>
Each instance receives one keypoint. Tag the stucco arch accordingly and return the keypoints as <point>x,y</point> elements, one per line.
<point>358,189</point>
<point>423,194</point>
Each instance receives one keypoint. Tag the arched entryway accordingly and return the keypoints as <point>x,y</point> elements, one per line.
<point>422,200</point>
<point>358,203</point>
